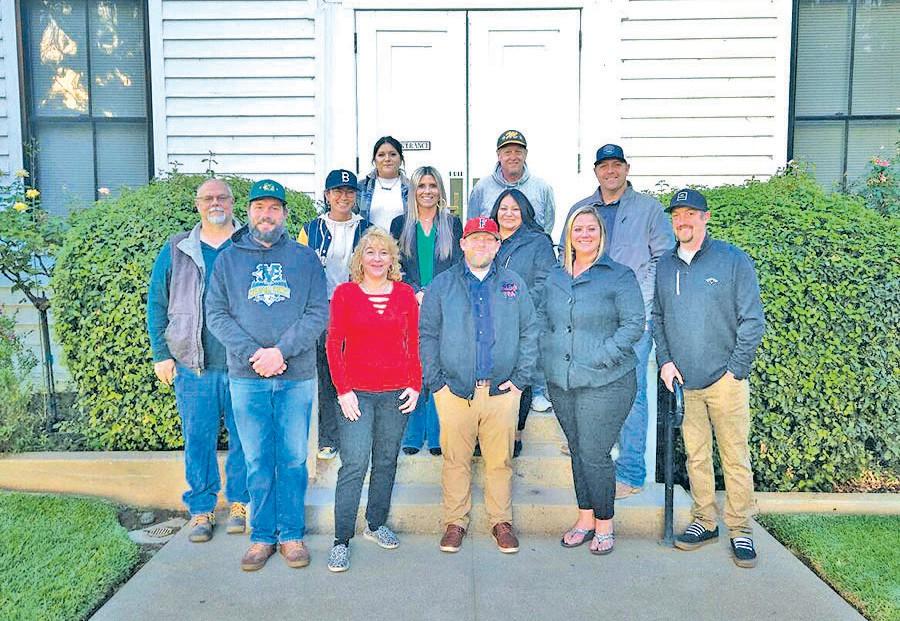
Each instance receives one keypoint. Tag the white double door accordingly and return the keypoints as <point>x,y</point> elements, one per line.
<point>447,83</point>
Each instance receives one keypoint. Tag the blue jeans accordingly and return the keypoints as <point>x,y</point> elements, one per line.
<point>376,433</point>
<point>272,417</point>
<point>423,424</point>
<point>630,466</point>
<point>203,400</point>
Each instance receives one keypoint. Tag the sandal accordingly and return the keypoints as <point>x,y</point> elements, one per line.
<point>585,535</point>
<point>601,539</point>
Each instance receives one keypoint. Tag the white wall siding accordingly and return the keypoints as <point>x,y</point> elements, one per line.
<point>239,79</point>
<point>702,89</point>
<point>10,125</point>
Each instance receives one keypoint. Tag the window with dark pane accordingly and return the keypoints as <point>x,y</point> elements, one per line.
<point>846,86</point>
<point>86,97</point>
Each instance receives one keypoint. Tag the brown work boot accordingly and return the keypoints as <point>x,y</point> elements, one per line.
<point>295,554</point>
<point>256,556</point>
<point>452,539</point>
<point>505,538</point>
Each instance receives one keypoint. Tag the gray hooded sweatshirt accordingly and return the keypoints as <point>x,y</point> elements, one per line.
<point>486,191</point>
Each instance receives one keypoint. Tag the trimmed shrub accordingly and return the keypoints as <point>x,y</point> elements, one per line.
<point>99,300</point>
<point>825,387</point>
<point>21,428</point>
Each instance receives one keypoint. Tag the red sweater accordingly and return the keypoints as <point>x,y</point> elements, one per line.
<point>373,351</point>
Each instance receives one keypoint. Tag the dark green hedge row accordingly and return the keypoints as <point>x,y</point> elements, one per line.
<point>825,388</point>
<point>99,299</point>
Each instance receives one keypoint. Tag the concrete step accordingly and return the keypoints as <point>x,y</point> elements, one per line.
<point>540,464</point>
<point>542,427</point>
<point>536,510</point>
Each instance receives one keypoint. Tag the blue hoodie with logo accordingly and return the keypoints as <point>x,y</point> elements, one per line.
<point>268,297</point>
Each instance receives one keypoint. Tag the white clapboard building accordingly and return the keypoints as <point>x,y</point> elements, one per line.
<point>696,91</point>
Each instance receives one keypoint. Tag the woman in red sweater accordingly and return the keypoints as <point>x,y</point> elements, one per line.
<point>373,354</point>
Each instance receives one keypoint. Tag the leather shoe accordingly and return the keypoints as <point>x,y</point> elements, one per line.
<point>295,553</point>
<point>505,538</point>
<point>256,556</point>
<point>452,539</point>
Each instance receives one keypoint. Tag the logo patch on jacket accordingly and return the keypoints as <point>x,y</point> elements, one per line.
<point>509,289</point>
<point>269,285</point>
<point>712,281</point>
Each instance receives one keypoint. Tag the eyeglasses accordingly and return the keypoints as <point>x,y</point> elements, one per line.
<point>221,198</point>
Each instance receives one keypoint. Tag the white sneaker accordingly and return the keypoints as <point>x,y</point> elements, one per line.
<point>540,403</point>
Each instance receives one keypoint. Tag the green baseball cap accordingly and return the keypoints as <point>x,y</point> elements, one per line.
<point>267,188</point>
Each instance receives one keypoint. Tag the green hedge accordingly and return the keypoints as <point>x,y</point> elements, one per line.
<point>99,299</point>
<point>825,387</point>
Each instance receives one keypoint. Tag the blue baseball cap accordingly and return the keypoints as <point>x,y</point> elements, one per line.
<point>610,152</point>
<point>267,188</point>
<point>340,178</point>
<point>687,197</point>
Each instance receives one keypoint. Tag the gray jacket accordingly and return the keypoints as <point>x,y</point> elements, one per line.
<point>184,328</point>
<point>538,191</point>
<point>447,332</point>
<point>529,253</point>
<point>642,234</point>
<point>707,316</point>
<point>589,325</point>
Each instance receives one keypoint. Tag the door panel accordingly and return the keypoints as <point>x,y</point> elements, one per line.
<point>523,74</point>
<point>411,84</point>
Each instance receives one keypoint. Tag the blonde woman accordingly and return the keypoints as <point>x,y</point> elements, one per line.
<point>372,347</point>
<point>591,315</point>
<point>428,234</point>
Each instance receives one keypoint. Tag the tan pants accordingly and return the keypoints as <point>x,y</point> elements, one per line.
<point>723,407</point>
<point>492,422</point>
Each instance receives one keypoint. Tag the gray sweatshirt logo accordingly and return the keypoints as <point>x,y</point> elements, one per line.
<point>269,285</point>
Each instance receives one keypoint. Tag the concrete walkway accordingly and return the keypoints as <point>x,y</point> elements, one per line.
<point>640,580</point>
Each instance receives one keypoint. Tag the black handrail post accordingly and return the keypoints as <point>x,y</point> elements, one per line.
<point>673,419</point>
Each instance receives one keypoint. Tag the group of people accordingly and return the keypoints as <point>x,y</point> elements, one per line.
<point>423,331</point>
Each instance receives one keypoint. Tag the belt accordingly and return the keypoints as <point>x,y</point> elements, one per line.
<point>483,383</point>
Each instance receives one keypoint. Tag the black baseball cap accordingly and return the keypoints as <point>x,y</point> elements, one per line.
<point>511,136</point>
<point>687,197</point>
<point>340,178</point>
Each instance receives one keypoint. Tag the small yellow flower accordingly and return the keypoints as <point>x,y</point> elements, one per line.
<point>20,206</point>
<point>22,174</point>
<point>32,193</point>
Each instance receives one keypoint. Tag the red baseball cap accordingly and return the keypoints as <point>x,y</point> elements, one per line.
<point>481,224</point>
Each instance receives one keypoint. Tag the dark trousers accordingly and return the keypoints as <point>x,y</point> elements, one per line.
<point>524,406</point>
<point>591,418</point>
<point>329,410</point>
<point>377,433</point>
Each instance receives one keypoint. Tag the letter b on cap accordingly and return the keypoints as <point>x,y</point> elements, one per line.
<point>345,176</point>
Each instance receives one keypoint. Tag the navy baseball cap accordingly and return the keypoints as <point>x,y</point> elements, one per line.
<point>340,178</point>
<point>610,152</point>
<point>266,188</point>
<point>687,197</point>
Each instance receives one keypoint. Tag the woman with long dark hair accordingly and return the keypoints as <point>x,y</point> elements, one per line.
<point>428,235</point>
<point>384,191</point>
<point>527,250</point>
<point>591,315</point>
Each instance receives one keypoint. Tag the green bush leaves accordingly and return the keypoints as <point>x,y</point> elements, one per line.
<point>100,295</point>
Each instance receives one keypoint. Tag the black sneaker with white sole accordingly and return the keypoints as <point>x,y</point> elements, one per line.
<point>744,552</point>
<point>695,536</point>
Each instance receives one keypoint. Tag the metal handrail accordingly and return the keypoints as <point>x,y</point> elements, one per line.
<point>673,418</point>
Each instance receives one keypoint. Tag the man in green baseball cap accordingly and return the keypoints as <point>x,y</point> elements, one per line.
<point>267,188</point>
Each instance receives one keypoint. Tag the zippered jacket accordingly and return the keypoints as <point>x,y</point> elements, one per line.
<point>366,189</point>
<point>409,265</point>
<point>590,324</point>
<point>643,232</point>
<point>529,253</point>
<point>447,332</point>
<point>268,297</point>
<point>317,237</point>
<point>707,316</point>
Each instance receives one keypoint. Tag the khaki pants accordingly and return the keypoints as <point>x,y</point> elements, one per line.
<point>492,422</point>
<point>723,407</point>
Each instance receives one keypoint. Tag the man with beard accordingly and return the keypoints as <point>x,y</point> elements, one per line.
<point>267,303</point>
<point>707,323</point>
<point>478,345</point>
<point>187,355</point>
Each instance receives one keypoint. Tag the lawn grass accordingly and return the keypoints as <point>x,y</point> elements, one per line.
<point>59,556</point>
<point>858,555</point>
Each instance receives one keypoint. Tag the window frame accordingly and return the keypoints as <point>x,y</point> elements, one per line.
<point>844,118</point>
<point>26,95</point>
